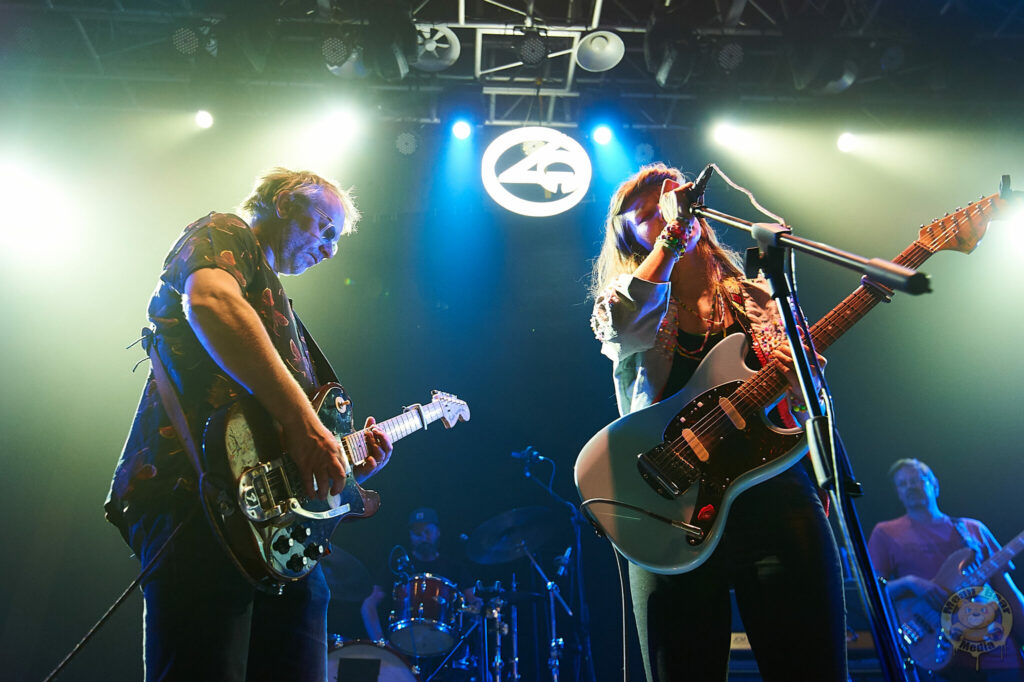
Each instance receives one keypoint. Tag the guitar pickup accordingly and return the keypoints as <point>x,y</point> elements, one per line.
<point>654,478</point>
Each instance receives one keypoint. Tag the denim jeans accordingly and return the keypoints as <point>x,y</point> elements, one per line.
<point>203,621</point>
<point>779,556</point>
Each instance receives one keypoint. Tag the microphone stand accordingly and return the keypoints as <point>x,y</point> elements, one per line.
<point>578,522</point>
<point>828,457</point>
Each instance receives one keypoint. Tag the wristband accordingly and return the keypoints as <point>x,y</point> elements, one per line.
<point>673,238</point>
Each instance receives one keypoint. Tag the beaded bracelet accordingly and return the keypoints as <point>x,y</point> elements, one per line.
<point>672,237</point>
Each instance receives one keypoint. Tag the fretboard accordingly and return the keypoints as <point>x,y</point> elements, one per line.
<point>769,382</point>
<point>396,428</point>
<point>994,564</point>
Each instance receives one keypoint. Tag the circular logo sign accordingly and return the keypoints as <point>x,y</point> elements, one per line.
<point>536,171</point>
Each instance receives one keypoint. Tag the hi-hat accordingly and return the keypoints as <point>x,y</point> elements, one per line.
<point>599,51</point>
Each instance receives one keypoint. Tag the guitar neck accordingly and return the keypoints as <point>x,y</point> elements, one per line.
<point>995,563</point>
<point>769,383</point>
<point>396,428</point>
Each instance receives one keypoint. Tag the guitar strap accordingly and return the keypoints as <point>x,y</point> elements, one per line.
<point>212,497</point>
<point>324,372</point>
<point>969,541</point>
<point>169,397</point>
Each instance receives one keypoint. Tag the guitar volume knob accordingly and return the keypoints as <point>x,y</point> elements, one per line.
<point>314,551</point>
<point>282,545</point>
<point>297,562</point>
<point>300,533</point>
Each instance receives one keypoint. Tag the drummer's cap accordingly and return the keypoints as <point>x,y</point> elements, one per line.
<point>423,515</point>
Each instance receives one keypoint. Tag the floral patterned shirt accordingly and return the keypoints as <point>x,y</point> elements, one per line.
<point>153,461</point>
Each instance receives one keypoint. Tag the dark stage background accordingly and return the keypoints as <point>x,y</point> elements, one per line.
<point>440,288</point>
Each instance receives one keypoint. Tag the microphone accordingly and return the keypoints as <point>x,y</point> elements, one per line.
<point>529,453</point>
<point>700,184</point>
<point>669,201</point>
<point>403,564</point>
<point>563,561</point>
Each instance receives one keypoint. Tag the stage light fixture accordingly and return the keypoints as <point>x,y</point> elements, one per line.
<point>335,50</point>
<point>847,142</point>
<point>599,51</point>
<point>730,57</point>
<point>188,40</point>
<point>461,129</point>
<point>728,135</point>
<point>204,119</point>
<point>406,142</point>
<point>533,49</point>
<point>643,152</point>
<point>602,134</point>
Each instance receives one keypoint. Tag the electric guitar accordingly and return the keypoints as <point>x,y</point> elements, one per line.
<point>659,482</point>
<point>928,642</point>
<point>253,495</point>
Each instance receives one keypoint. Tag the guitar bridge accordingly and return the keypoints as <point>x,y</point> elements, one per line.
<point>661,480</point>
<point>260,489</point>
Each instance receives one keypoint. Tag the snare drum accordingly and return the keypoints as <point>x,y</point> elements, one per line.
<point>423,622</point>
<point>360,660</point>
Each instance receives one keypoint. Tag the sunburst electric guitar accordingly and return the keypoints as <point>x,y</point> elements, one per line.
<point>659,482</point>
<point>253,495</point>
<point>928,642</point>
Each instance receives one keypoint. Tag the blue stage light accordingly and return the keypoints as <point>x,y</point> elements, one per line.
<point>461,129</point>
<point>602,134</point>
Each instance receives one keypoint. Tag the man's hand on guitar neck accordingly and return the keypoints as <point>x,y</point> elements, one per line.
<point>378,451</point>
<point>316,452</point>
<point>915,586</point>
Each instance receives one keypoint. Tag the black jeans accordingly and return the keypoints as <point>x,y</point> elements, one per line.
<point>779,556</point>
<point>204,621</point>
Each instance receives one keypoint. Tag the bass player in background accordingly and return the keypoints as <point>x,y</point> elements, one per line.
<point>225,327</point>
<point>910,550</point>
<point>665,294</point>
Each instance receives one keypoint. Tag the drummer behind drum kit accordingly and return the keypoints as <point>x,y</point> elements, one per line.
<point>478,639</point>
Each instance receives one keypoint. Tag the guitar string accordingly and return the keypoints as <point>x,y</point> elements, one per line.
<point>768,382</point>
<point>759,388</point>
<point>755,387</point>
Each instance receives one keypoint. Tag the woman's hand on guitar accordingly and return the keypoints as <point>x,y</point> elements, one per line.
<point>378,451</point>
<point>317,453</point>
<point>785,358</point>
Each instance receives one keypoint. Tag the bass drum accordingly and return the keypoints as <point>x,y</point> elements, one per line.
<point>360,660</point>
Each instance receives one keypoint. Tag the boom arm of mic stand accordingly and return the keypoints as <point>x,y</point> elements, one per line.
<point>879,270</point>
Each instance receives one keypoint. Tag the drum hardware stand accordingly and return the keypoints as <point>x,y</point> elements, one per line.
<point>579,521</point>
<point>462,640</point>
<point>557,643</point>
<point>515,635</point>
<point>494,605</point>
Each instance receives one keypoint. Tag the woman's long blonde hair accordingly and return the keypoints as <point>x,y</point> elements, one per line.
<point>622,252</point>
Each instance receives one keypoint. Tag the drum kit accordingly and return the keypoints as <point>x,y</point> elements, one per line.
<point>435,632</point>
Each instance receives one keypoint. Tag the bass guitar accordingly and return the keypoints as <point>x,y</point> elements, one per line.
<point>253,495</point>
<point>659,482</point>
<point>930,642</point>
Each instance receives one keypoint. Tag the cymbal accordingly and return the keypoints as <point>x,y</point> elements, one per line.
<point>346,576</point>
<point>518,597</point>
<point>510,534</point>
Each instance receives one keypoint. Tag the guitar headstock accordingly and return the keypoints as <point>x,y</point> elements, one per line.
<point>962,229</point>
<point>453,410</point>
